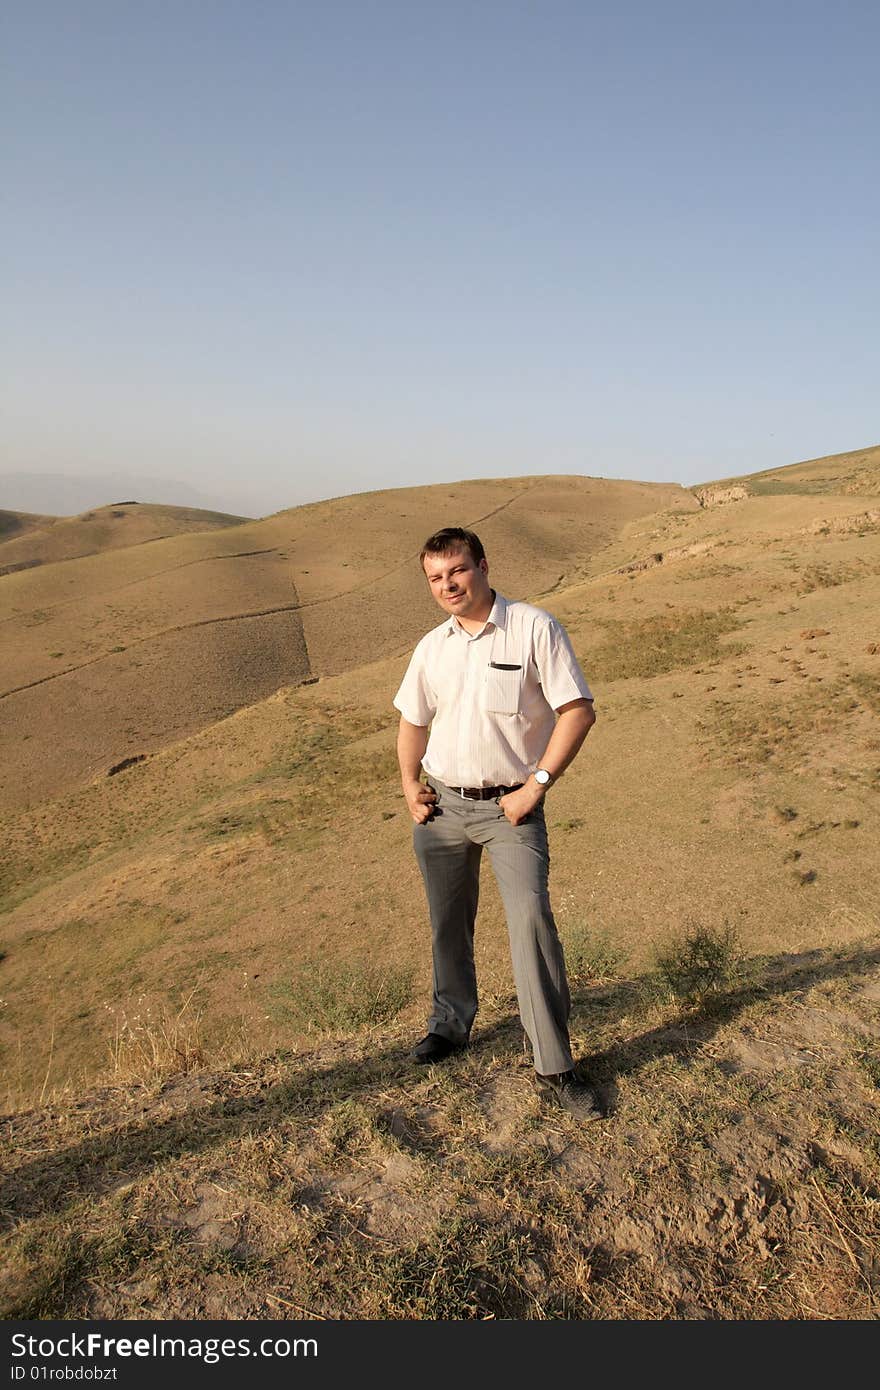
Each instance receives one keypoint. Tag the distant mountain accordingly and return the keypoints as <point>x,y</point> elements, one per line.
<point>57,494</point>
<point>16,524</point>
<point>27,541</point>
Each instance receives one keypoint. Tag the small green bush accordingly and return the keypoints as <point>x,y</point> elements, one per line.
<point>590,956</point>
<point>700,962</point>
<point>330,996</point>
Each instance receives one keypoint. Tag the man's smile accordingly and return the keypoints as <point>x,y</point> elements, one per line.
<point>460,584</point>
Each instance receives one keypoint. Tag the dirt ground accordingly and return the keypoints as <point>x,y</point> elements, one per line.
<point>735,1173</point>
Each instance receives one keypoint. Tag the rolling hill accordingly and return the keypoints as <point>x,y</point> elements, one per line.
<point>17,524</point>
<point>732,649</point>
<point>851,474</point>
<point>27,541</point>
<point>119,653</point>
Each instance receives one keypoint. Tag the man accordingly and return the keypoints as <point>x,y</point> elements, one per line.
<point>508,708</point>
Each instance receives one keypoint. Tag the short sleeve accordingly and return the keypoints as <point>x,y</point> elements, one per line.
<point>561,677</point>
<point>415,699</point>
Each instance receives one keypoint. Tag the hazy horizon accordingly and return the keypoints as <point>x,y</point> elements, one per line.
<point>56,494</point>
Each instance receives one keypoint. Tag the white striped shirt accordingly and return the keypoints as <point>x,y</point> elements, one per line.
<point>490,697</point>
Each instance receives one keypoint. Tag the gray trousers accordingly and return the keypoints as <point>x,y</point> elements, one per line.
<point>449,848</point>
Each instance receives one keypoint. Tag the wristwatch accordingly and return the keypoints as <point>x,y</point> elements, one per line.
<point>542,777</point>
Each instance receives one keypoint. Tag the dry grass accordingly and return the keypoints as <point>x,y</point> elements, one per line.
<point>145,1047</point>
<point>591,956</point>
<point>329,996</point>
<point>828,576</point>
<point>737,1174</point>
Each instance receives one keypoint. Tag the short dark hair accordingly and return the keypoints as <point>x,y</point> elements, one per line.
<point>453,538</point>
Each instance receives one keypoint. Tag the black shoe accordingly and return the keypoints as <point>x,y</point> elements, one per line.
<point>434,1048</point>
<point>568,1092</point>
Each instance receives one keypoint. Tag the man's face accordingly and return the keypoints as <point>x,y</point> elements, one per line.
<point>460,584</point>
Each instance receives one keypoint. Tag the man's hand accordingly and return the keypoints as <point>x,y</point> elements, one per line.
<point>519,804</point>
<point>420,800</point>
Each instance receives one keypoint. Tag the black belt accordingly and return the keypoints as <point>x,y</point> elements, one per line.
<point>483,793</point>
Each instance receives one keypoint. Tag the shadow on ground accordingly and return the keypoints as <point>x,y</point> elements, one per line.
<point>54,1180</point>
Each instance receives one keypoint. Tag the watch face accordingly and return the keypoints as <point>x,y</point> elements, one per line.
<point>542,776</point>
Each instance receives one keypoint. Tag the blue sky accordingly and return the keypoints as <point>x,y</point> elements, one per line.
<point>283,251</point>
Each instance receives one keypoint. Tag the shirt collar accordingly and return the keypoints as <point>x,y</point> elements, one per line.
<point>497,616</point>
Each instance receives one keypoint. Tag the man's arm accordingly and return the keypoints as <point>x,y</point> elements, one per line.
<point>574,722</point>
<point>412,740</point>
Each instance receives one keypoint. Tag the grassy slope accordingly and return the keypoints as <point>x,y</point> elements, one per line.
<point>738,692</point>
<point>855,472</point>
<point>15,524</point>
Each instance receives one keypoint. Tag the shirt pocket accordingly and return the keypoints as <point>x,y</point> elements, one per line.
<point>503,689</point>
